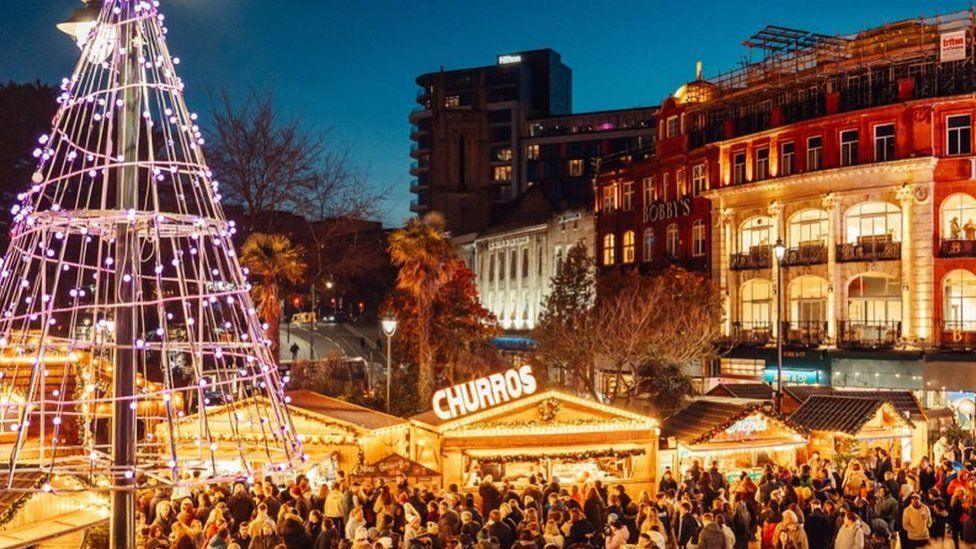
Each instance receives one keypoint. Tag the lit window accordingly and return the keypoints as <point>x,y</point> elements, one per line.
<point>738,168</point>
<point>884,142</point>
<point>648,191</point>
<point>532,152</point>
<point>762,164</point>
<point>673,240</point>
<point>959,217</point>
<point>609,198</point>
<point>673,126</point>
<point>576,167</point>
<point>742,367</point>
<point>698,238</point>
<point>649,244</point>
<point>504,154</point>
<point>787,159</point>
<point>629,247</point>
<point>808,228</point>
<point>698,182</point>
<point>848,147</point>
<point>679,182</point>
<point>756,234</point>
<point>959,300</point>
<point>755,303</point>
<point>608,249</point>
<point>627,196</point>
<point>452,101</point>
<point>808,301</point>
<point>873,222</point>
<point>873,300</point>
<point>814,153</point>
<point>502,173</point>
<point>958,134</point>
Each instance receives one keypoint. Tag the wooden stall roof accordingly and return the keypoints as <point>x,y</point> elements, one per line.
<point>704,417</point>
<point>754,391</point>
<point>839,413</point>
<point>339,409</point>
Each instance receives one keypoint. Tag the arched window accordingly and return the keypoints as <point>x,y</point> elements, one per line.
<point>808,228</point>
<point>958,219</point>
<point>630,248</point>
<point>873,222</point>
<point>608,249</point>
<point>673,240</point>
<point>873,299</point>
<point>756,233</point>
<point>755,303</point>
<point>649,244</point>
<point>959,300</point>
<point>808,300</point>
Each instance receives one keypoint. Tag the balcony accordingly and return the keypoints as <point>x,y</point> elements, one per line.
<point>416,168</point>
<point>418,114</point>
<point>416,149</point>
<point>957,248</point>
<point>417,186</point>
<point>759,257</point>
<point>754,334</point>
<point>875,334</point>
<point>873,248</point>
<point>958,335</point>
<point>804,333</point>
<point>805,254</point>
<point>417,207</point>
<point>417,132</point>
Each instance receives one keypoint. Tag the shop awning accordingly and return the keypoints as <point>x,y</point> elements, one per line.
<point>770,445</point>
<point>580,451</point>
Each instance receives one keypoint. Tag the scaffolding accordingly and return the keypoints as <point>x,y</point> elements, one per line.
<point>798,68</point>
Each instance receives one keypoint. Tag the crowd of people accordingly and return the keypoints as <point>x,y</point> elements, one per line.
<point>871,503</point>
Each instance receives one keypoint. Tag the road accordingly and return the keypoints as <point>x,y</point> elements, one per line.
<point>346,339</point>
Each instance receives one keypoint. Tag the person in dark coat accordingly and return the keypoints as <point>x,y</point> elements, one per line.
<point>329,536</point>
<point>240,504</point>
<point>580,529</point>
<point>293,532</point>
<point>499,530</point>
<point>685,526</point>
<point>820,531</point>
<point>594,508</point>
<point>491,498</point>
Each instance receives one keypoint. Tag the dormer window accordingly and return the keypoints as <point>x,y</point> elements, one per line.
<point>673,126</point>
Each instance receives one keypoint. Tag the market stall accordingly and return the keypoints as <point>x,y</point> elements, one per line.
<point>741,435</point>
<point>852,426</point>
<point>519,433</point>
<point>336,435</point>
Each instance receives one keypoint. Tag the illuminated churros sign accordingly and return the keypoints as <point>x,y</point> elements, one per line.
<point>483,393</point>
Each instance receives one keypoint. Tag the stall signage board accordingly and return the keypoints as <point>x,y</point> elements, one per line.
<point>483,393</point>
<point>747,426</point>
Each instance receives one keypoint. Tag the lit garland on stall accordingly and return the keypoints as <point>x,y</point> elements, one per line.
<point>576,456</point>
<point>122,217</point>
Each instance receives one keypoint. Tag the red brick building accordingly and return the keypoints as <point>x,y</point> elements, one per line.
<point>856,153</point>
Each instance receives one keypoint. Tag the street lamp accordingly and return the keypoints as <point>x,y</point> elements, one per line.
<point>779,250</point>
<point>389,325</point>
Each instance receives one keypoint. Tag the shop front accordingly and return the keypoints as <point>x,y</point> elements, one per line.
<point>548,434</point>
<point>849,426</point>
<point>741,436</point>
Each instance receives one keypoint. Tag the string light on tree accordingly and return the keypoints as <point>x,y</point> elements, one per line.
<point>122,298</point>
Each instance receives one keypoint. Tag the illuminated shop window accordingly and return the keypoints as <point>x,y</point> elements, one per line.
<point>959,298</point>
<point>959,217</point>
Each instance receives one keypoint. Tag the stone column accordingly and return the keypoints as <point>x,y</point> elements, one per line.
<point>831,204</point>
<point>724,249</point>
<point>905,200</point>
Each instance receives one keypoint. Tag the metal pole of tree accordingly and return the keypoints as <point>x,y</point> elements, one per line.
<point>311,328</point>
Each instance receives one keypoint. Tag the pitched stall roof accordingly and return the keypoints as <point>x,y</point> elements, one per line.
<point>802,392</point>
<point>754,391</point>
<point>699,420</point>
<point>341,410</point>
<point>837,413</point>
<point>903,401</point>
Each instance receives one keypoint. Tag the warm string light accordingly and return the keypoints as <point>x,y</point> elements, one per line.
<point>75,248</point>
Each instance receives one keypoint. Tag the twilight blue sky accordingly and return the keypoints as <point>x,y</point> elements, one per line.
<point>349,65</point>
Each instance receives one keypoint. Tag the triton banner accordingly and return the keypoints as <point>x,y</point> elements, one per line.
<point>485,392</point>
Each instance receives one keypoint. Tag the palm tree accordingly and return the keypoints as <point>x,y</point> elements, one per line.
<point>426,260</point>
<point>273,262</point>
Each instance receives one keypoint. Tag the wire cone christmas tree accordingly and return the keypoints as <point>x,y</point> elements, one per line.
<point>131,354</point>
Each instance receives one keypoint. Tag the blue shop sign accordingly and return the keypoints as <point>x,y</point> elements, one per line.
<point>798,376</point>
